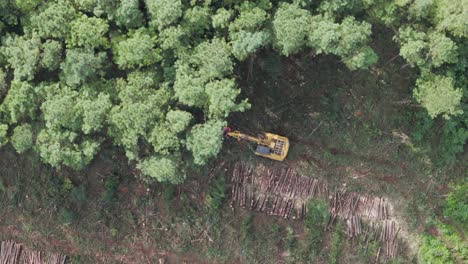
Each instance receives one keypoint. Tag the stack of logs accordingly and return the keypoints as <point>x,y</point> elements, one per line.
<point>283,192</point>
<point>351,205</point>
<point>10,252</point>
<point>388,236</point>
<point>33,257</point>
<point>13,253</point>
<point>278,191</point>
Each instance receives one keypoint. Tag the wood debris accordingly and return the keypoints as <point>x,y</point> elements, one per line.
<point>13,253</point>
<point>283,192</point>
<point>10,252</point>
<point>32,257</point>
<point>275,191</point>
<point>57,258</point>
<point>388,236</point>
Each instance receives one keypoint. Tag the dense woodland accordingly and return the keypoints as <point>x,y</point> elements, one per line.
<point>157,80</point>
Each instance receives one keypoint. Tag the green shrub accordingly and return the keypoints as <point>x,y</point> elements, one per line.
<point>453,238</point>
<point>216,194</point>
<point>453,139</point>
<point>67,216</point>
<point>110,190</point>
<point>247,238</point>
<point>3,134</point>
<point>367,250</point>
<point>315,221</point>
<point>336,244</point>
<point>78,195</point>
<point>168,194</point>
<point>433,251</point>
<point>456,204</point>
<point>317,215</point>
<point>22,138</point>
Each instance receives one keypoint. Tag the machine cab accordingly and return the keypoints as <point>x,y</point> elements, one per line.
<point>276,147</point>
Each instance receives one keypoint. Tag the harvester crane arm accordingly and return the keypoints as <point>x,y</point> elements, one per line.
<point>237,134</point>
<point>269,145</point>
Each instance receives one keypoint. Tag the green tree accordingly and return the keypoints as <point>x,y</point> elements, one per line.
<point>324,35</point>
<point>163,169</point>
<point>349,40</point>
<point>22,138</point>
<point>451,16</point>
<point>26,5</point>
<point>290,27</point>
<point>3,134</point>
<point>88,32</point>
<point>20,102</point>
<point>245,43</point>
<point>164,140</point>
<point>51,56</point>
<point>384,11</point>
<point>196,21</point>
<point>420,9</point>
<point>205,140</point>
<point>88,5</point>
<point>426,49</point>
<point>222,96</point>
<point>164,12</point>
<point>138,50</point>
<point>438,95</point>
<point>442,49</point>
<point>139,112</point>
<point>212,59</point>
<point>173,38</point>
<point>165,136</point>
<point>8,14</point>
<point>54,21</point>
<point>82,65</point>
<point>354,35</point>
<point>129,14</point>
<point>93,111</point>
<point>3,84</point>
<point>67,148</point>
<point>250,18</point>
<point>222,18</point>
<point>209,61</point>
<point>363,59</point>
<point>23,55</point>
<point>339,6</point>
<point>67,109</point>
<point>189,86</point>
<point>178,120</point>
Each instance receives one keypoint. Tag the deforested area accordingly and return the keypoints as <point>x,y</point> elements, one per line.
<point>233,131</point>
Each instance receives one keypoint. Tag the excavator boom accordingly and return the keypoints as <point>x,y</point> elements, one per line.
<point>237,134</point>
<point>270,146</point>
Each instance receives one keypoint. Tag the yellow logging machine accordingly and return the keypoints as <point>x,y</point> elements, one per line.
<point>269,145</point>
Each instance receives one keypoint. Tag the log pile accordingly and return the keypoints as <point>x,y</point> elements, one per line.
<point>283,192</point>
<point>10,252</point>
<point>13,253</point>
<point>57,258</point>
<point>374,208</point>
<point>275,191</point>
<point>32,257</point>
<point>347,204</point>
<point>388,237</point>
<point>353,226</point>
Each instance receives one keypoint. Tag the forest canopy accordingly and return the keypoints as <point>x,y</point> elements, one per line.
<point>156,77</point>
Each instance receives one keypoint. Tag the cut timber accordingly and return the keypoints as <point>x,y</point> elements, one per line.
<point>282,192</point>
<point>57,258</point>
<point>10,252</point>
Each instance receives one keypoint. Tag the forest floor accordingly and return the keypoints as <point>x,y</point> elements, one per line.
<point>350,129</point>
